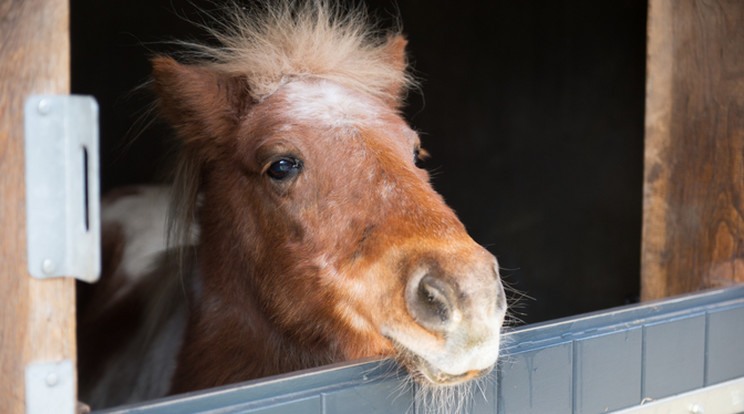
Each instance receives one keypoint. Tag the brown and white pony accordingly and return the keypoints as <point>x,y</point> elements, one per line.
<point>306,232</point>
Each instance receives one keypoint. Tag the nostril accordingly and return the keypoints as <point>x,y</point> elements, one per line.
<point>433,299</point>
<point>432,303</point>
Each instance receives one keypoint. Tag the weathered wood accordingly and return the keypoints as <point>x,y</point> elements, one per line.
<point>37,318</point>
<point>693,229</point>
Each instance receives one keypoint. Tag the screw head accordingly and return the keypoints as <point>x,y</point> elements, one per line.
<point>48,266</point>
<point>44,107</point>
<point>51,379</point>
<point>696,409</point>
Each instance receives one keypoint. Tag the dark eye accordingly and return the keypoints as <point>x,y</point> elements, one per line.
<point>419,155</point>
<point>284,168</point>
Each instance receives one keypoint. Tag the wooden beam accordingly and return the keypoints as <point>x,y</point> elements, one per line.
<point>37,317</point>
<point>693,212</point>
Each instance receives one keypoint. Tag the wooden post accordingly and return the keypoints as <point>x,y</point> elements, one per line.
<point>693,212</point>
<point>37,317</point>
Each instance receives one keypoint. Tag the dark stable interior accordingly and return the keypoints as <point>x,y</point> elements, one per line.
<point>532,112</point>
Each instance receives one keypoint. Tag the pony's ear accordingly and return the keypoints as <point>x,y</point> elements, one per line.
<point>396,55</point>
<point>396,50</point>
<point>199,102</point>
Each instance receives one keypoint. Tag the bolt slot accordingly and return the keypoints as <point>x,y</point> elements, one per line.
<point>86,195</point>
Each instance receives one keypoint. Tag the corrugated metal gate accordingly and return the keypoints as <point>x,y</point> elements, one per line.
<point>591,363</point>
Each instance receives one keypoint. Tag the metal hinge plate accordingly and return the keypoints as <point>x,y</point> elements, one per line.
<point>62,187</point>
<point>50,388</point>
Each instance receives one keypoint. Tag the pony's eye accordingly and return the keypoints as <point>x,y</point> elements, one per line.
<point>284,168</point>
<point>419,155</point>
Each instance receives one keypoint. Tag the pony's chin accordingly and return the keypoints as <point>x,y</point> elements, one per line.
<point>425,373</point>
<point>431,375</point>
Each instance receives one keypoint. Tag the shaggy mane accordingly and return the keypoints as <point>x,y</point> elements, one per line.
<point>274,42</point>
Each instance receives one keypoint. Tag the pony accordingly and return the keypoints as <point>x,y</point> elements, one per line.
<point>300,229</point>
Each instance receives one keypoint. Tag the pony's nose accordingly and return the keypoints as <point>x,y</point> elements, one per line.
<point>432,302</point>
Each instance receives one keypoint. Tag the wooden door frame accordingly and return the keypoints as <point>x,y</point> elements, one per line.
<point>693,205</point>
<point>37,317</point>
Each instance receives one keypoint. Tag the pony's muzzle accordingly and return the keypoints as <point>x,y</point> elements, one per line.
<point>461,304</point>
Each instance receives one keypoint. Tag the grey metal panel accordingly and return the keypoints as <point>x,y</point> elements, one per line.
<point>537,381</point>
<point>608,320</point>
<point>475,397</point>
<point>386,396</point>
<point>674,356</point>
<point>588,363</point>
<point>607,371</point>
<point>309,405</point>
<point>272,392</point>
<point>485,396</point>
<point>725,356</point>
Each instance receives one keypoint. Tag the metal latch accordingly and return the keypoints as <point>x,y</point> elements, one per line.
<point>62,187</point>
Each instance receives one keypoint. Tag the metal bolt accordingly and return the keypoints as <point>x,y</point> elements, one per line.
<point>51,379</point>
<point>44,107</point>
<point>696,409</point>
<point>48,266</point>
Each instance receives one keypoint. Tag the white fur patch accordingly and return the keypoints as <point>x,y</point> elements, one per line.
<point>331,104</point>
<point>142,218</point>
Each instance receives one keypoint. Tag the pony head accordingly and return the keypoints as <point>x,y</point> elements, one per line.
<point>319,236</point>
